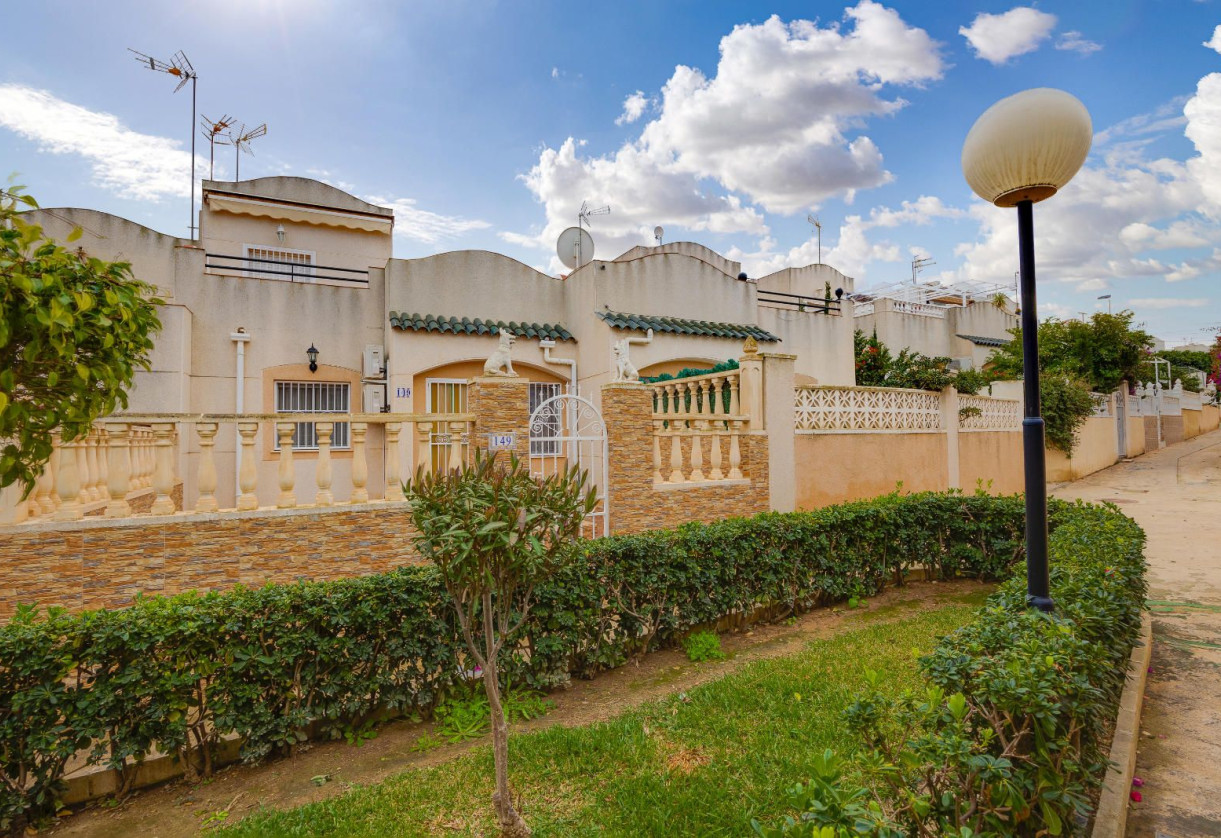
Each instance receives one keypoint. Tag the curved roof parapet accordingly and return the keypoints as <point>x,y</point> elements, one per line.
<point>297,199</point>
<point>692,249</point>
<point>808,280</point>
<point>474,255</point>
<point>94,223</point>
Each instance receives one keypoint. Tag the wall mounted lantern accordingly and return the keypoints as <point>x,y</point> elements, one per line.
<point>280,233</point>
<point>1023,150</point>
<point>312,354</point>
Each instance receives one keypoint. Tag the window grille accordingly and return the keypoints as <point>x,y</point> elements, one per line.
<point>544,435</point>
<point>283,264</point>
<point>445,395</point>
<point>314,397</point>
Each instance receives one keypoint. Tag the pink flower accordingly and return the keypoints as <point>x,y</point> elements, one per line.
<point>1138,782</point>
<point>1135,795</point>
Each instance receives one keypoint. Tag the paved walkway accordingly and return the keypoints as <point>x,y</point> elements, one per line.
<point>1175,495</point>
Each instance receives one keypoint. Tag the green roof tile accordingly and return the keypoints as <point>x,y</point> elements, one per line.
<point>980,340</point>
<point>680,326</point>
<point>466,326</point>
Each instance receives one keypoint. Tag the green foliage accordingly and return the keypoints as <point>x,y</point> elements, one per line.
<point>877,367</point>
<point>1008,737</point>
<point>703,646</point>
<point>73,329</point>
<point>467,716</point>
<point>1202,361</point>
<point>661,403</point>
<point>689,372</point>
<point>972,381</point>
<point>177,673</point>
<point>1102,351</point>
<point>1066,404</point>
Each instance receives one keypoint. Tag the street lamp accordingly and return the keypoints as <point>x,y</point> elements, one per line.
<point>1107,297</point>
<point>1022,150</point>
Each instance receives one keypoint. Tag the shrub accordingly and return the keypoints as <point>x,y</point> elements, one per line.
<point>1007,738</point>
<point>1066,404</point>
<point>703,646</point>
<point>277,664</point>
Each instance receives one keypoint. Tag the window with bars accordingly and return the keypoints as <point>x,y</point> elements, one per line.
<point>278,263</point>
<point>314,397</point>
<point>544,440</point>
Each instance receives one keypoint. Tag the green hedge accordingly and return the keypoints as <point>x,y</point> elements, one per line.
<point>274,663</point>
<point>1008,738</point>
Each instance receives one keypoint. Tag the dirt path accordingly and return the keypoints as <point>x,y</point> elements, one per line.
<point>182,809</point>
<point>1175,494</point>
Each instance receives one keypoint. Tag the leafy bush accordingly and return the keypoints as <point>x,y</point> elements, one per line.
<point>1102,351</point>
<point>703,646</point>
<point>876,367</point>
<point>1007,738</point>
<point>277,664</point>
<point>1066,404</point>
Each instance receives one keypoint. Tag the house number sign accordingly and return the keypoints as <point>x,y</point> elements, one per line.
<point>500,442</point>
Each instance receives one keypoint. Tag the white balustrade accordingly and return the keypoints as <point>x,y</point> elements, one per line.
<point>919,309</point>
<point>691,418</point>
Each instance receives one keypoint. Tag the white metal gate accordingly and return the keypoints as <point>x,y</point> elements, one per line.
<point>567,431</point>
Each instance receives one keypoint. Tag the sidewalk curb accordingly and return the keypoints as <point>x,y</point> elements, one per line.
<point>1111,818</point>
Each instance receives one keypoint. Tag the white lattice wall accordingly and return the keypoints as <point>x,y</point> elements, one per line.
<point>867,409</point>
<point>982,413</point>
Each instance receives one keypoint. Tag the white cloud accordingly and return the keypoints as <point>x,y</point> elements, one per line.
<point>411,222</point>
<point>132,164</point>
<point>1214,43</point>
<point>1092,285</point>
<point>634,107</point>
<point>555,72</point>
<point>1167,302</point>
<point>1076,42</point>
<point>997,38</point>
<point>1203,112</point>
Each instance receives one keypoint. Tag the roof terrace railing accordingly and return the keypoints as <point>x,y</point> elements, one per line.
<point>279,268</point>
<point>798,302</point>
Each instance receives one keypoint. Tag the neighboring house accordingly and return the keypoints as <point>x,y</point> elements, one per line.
<point>963,322</point>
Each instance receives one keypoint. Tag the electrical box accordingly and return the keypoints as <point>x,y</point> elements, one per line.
<point>375,398</point>
<point>374,361</point>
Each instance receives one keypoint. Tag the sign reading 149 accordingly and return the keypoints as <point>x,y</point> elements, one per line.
<point>500,442</point>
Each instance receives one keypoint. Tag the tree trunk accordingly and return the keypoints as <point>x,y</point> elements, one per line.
<point>511,823</point>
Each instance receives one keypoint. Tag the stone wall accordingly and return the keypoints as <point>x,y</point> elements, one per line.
<point>637,504</point>
<point>99,563</point>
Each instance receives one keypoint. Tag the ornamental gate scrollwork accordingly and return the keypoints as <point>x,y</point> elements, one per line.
<point>566,431</point>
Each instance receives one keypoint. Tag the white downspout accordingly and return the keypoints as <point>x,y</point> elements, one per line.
<point>547,345</point>
<point>240,339</point>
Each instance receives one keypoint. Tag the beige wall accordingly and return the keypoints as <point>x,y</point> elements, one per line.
<point>938,337</point>
<point>1135,436</point>
<point>1209,418</point>
<point>1097,447</point>
<point>1191,423</point>
<point>832,468</point>
<point>993,457</point>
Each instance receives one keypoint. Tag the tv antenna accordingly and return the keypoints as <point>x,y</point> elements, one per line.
<point>242,143</point>
<point>818,227</point>
<point>919,264</point>
<point>179,66</point>
<point>658,232</point>
<point>214,132</point>
<point>585,213</point>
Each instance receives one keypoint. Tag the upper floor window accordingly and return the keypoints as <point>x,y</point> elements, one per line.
<point>263,262</point>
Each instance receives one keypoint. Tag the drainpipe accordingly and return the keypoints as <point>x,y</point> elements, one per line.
<point>547,345</point>
<point>240,339</point>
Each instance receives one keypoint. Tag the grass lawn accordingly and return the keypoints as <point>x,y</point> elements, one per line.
<point>701,763</point>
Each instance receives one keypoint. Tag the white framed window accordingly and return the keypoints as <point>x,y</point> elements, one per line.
<point>544,440</point>
<point>314,397</point>
<point>445,395</point>
<point>262,262</point>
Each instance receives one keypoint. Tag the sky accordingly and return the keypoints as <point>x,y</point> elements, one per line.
<point>485,125</point>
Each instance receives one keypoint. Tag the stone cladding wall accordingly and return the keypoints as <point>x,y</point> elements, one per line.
<point>501,405</point>
<point>637,504</point>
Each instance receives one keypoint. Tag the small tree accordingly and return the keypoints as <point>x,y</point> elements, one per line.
<point>72,331</point>
<point>494,533</point>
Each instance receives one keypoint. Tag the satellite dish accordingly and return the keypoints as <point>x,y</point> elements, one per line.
<point>658,232</point>
<point>575,248</point>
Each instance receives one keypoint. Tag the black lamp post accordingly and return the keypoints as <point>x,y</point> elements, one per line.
<point>312,354</point>
<point>1022,150</point>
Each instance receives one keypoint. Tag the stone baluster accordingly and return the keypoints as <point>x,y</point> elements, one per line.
<point>714,456</point>
<point>323,471</point>
<point>53,469</point>
<point>735,407</point>
<point>360,465</point>
<point>118,471</point>
<point>288,476</point>
<point>88,467</point>
<point>714,389</point>
<point>207,467</point>
<point>657,428</point>
<point>691,400</point>
<point>456,429</point>
<point>394,483</point>
<point>248,475</point>
<point>676,453</point>
<point>735,451</point>
<point>424,461</point>
<point>697,452</point>
<point>103,445</point>
<point>136,452</point>
<point>163,470</point>
<point>68,482</point>
<point>44,487</point>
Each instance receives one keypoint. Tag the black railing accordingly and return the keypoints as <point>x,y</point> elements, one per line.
<point>797,302</point>
<point>294,271</point>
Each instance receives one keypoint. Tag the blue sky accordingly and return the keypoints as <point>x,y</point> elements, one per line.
<point>485,125</point>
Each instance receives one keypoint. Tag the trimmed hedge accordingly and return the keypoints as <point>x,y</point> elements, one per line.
<point>1008,738</point>
<point>275,663</point>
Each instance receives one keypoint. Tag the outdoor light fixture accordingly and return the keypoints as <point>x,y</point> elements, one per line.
<point>1023,150</point>
<point>1107,297</point>
<point>312,354</point>
<point>280,233</point>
